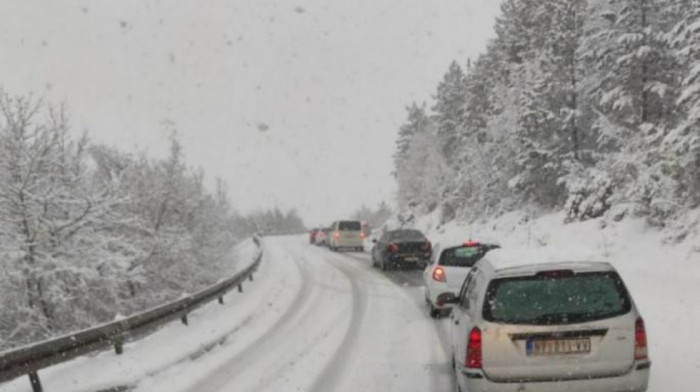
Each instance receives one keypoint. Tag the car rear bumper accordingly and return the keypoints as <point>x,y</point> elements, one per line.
<point>343,243</point>
<point>636,380</point>
<point>410,259</point>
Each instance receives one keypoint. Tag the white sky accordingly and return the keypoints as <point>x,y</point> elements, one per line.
<point>330,78</point>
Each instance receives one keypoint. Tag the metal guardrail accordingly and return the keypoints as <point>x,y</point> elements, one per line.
<point>28,360</point>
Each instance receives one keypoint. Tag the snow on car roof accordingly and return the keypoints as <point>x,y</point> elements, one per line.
<point>454,244</point>
<point>528,260</point>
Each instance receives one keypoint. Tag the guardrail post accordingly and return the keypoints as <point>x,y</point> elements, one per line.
<point>184,319</point>
<point>36,383</point>
<point>240,288</point>
<point>118,347</point>
<point>221,300</point>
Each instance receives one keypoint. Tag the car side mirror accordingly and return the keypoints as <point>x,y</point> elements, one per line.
<point>446,298</point>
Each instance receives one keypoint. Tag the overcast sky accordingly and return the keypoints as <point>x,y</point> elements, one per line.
<point>293,103</point>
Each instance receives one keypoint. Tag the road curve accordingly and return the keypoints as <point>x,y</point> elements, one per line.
<point>324,322</point>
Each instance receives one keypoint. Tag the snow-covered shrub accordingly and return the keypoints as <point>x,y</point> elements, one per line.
<point>589,197</point>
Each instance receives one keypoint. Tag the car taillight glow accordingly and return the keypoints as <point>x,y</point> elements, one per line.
<point>336,235</point>
<point>393,248</point>
<point>640,340</point>
<point>473,359</point>
<point>362,235</point>
<point>471,243</point>
<point>439,274</point>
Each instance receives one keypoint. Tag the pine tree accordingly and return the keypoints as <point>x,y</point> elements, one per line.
<point>416,122</point>
<point>449,109</point>
<point>636,65</point>
<point>685,139</point>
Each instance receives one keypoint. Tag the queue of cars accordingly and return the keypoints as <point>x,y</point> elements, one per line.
<point>525,325</point>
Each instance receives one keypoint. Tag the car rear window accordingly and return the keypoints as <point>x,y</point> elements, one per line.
<point>407,235</point>
<point>350,226</point>
<point>543,300</point>
<point>462,256</point>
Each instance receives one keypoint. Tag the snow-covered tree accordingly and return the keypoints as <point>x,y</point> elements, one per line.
<point>88,232</point>
<point>684,140</point>
<point>55,223</point>
<point>448,110</point>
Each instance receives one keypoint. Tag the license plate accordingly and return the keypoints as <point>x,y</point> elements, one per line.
<point>542,347</point>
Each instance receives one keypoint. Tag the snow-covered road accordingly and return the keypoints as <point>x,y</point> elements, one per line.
<point>324,321</point>
<point>315,320</point>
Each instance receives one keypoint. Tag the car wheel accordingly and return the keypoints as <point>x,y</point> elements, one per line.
<point>435,312</point>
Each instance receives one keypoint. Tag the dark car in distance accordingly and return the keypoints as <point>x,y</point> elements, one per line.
<point>403,247</point>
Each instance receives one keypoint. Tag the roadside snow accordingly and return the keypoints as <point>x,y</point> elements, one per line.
<point>664,278</point>
<point>170,345</point>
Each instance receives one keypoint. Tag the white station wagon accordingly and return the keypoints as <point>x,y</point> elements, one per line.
<point>547,327</point>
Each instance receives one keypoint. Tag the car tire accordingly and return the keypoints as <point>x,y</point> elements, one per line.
<point>435,312</point>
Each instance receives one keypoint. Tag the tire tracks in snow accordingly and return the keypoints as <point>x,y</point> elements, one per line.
<point>407,282</point>
<point>333,371</point>
<point>221,376</point>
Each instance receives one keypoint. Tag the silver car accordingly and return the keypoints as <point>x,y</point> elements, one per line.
<point>346,235</point>
<point>547,327</point>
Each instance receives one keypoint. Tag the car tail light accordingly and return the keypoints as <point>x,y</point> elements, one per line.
<point>393,248</point>
<point>439,274</point>
<point>473,359</point>
<point>336,235</point>
<point>471,244</point>
<point>362,235</point>
<point>640,340</point>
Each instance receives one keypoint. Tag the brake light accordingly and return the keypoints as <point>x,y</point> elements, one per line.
<point>393,248</point>
<point>473,359</point>
<point>439,274</point>
<point>471,244</point>
<point>640,340</point>
<point>336,235</point>
<point>362,235</point>
<point>555,274</point>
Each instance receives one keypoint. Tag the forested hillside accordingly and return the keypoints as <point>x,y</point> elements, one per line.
<point>589,106</point>
<point>88,232</point>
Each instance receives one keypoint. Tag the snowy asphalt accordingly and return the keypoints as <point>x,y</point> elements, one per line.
<point>327,321</point>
